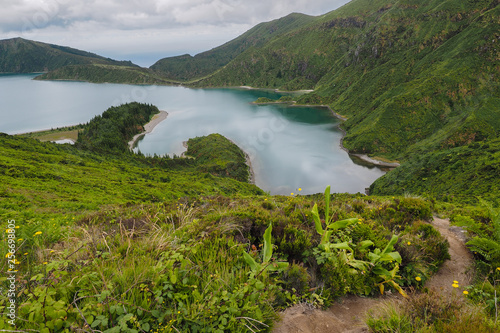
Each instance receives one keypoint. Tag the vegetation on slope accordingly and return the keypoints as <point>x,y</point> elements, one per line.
<point>230,162</point>
<point>18,55</point>
<point>163,263</point>
<point>461,174</point>
<point>403,72</point>
<point>112,130</point>
<point>120,242</point>
<point>186,67</point>
<point>103,73</point>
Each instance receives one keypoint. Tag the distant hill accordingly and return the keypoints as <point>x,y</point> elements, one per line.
<point>187,67</point>
<point>101,73</point>
<point>18,55</point>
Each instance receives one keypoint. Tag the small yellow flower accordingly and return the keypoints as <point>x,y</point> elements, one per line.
<point>17,227</point>
<point>409,243</point>
<point>498,268</point>
<point>466,292</point>
<point>455,281</point>
<point>291,193</point>
<point>45,263</point>
<point>37,233</point>
<point>52,251</point>
<point>8,254</point>
<point>455,285</point>
<point>25,253</point>
<point>300,189</point>
<point>20,240</point>
<point>8,230</point>
<point>418,278</point>
<point>265,199</point>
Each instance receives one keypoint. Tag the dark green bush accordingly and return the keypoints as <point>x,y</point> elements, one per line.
<point>294,243</point>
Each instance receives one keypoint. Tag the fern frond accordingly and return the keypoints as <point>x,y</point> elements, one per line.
<point>488,248</point>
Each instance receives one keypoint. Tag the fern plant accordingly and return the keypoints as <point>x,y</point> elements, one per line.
<point>489,248</point>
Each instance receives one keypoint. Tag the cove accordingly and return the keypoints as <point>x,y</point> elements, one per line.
<point>289,147</point>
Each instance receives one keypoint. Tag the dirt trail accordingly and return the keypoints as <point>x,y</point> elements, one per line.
<point>458,267</point>
<point>348,316</point>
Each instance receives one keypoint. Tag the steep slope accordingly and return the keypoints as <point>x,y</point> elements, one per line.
<point>409,75</point>
<point>18,55</point>
<point>457,174</point>
<point>187,67</point>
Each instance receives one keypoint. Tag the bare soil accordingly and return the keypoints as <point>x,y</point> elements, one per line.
<point>348,315</point>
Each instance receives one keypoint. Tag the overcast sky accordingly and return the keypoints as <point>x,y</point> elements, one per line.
<point>144,30</point>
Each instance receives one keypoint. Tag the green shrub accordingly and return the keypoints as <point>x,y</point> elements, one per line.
<point>296,279</point>
<point>294,243</point>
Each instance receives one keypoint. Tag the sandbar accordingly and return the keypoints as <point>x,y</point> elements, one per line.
<point>148,128</point>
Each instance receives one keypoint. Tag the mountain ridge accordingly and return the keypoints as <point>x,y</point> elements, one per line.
<point>19,55</point>
<point>186,67</point>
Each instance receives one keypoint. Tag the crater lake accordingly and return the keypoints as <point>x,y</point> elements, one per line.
<point>290,147</point>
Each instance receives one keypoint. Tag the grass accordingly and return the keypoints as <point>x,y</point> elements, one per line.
<point>55,135</point>
<point>130,243</point>
<point>429,312</point>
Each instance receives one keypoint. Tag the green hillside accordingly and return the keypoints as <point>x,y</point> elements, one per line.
<point>187,67</point>
<point>401,71</point>
<point>19,55</point>
<point>103,73</point>
<point>120,242</point>
<point>463,174</point>
<point>124,242</point>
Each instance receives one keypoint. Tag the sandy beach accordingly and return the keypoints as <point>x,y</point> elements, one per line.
<point>148,128</point>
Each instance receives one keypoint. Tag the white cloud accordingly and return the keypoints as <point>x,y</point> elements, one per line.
<point>126,27</point>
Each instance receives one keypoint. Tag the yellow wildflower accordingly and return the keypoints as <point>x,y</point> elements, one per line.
<point>37,233</point>
<point>418,278</point>
<point>466,292</point>
<point>409,243</point>
<point>300,189</point>
<point>8,254</point>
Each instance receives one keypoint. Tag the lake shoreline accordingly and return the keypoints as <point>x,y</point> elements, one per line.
<point>363,157</point>
<point>148,128</point>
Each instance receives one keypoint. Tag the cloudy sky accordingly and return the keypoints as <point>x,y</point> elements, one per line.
<point>144,30</point>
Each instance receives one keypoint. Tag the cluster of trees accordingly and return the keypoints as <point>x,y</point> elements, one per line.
<point>112,130</point>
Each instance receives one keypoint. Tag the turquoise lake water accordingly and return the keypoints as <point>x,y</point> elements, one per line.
<point>289,147</point>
